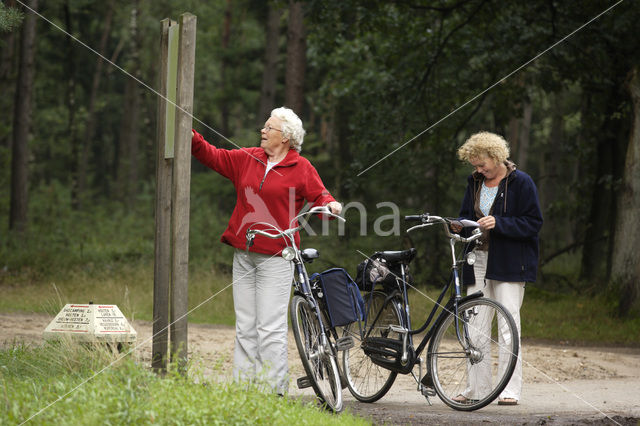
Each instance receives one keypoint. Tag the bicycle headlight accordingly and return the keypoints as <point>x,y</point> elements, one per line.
<point>288,253</point>
<point>471,258</point>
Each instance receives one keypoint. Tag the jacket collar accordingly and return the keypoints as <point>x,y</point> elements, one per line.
<point>511,167</point>
<point>289,160</point>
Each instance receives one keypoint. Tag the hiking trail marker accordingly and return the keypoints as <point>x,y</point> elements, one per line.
<point>91,323</point>
<point>173,180</point>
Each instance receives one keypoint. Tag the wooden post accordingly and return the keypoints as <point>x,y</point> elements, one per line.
<point>164,171</point>
<point>181,190</point>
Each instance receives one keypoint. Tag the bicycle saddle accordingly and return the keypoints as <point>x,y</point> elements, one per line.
<point>405,256</point>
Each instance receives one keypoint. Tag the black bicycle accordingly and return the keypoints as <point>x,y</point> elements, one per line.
<point>321,303</point>
<point>472,341</point>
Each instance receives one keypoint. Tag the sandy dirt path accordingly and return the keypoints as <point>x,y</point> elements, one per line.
<point>563,384</point>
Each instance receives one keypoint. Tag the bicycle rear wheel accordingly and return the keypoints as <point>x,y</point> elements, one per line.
<point>470,373</point>
<point>318,360</point>
<point>367,381</point>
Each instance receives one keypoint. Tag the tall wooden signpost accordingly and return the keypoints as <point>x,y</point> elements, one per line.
<point>173,179</point>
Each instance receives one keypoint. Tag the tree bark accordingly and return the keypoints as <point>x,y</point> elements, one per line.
<point>224,65</point>
<point>22,123</point>
<point>7,69</point>
<point>625,269</point>
<point>550,175</point>
<point>525,135</point>
<point>270,73</point>
<point>296,58</point>
<point>91,109</point>
<point>595,253</point>
<point>71,105</point>
<point>129,134</point>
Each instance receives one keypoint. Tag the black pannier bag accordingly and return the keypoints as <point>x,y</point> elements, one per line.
<point>376,271</point>
<point>341,294</point>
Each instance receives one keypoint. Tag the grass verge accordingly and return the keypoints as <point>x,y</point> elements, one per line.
<point>57,384</point>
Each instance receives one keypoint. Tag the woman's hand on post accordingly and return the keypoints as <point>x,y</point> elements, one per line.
<point>335,207</point>
<point>487,222</point>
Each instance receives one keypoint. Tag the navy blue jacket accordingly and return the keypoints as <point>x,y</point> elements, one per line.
<point>513,243</point>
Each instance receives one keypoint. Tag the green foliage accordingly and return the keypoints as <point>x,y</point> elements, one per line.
<point>66,383</point>
<point>10,18</point>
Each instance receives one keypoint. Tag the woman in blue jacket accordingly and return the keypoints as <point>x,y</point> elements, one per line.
<point>504,201</point>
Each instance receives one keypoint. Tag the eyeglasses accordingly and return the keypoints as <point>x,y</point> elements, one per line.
<point>268,128</point>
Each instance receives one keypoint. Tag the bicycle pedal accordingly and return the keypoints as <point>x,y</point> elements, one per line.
<point>427,392</point>
<point>344,343</point>
<point>398,329</point>
<point>427,380</point>
<point>303,382</point>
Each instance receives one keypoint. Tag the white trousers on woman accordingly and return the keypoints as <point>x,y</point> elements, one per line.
<point>510,295</point>
<point>261,291</point>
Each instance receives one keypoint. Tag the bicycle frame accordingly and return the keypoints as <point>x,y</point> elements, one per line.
<point>452,305</point>
<point>301,282</point>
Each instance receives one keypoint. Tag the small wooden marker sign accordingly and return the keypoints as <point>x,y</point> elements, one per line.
<point>91,323</point>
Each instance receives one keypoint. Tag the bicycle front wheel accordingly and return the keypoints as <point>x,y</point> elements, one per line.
<point>472,355</point>
<point>318,359</point>
<point>367,381</point>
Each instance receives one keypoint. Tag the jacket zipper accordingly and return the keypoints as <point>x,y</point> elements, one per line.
<point>264,178</point>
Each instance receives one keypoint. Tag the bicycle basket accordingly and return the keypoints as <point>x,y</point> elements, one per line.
<point>342,297</point>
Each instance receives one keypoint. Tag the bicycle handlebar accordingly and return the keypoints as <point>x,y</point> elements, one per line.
<point>428,220</point>
<point>251,233</point>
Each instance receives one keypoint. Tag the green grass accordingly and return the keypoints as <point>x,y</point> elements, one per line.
<point>578,319</point>
<point>130,287</point>
<point>69,384</point>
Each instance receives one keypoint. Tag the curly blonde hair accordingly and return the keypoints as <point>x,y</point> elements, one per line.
<point>484,144</point>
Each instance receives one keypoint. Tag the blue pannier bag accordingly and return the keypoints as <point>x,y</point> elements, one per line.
<point>342,296</point>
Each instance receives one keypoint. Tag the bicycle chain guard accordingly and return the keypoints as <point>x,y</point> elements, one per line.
<point>387,353</point>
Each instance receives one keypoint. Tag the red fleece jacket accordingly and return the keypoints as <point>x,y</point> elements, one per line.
<point>274,198</point>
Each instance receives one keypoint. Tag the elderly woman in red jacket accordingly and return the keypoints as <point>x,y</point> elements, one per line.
<point>272,184</point>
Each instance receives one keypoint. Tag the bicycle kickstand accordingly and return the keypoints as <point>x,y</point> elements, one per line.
<point>424,385</point>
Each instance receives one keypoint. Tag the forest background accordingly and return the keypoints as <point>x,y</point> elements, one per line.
<point>78,138</point>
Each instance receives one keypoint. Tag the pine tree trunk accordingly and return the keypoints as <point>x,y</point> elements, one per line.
<point>224,65</point>
<point>270,73</point>
<point>625,266</point>
<point>70,70</point>
<point>129,133</point>
<point>525,136</point>
<point>22,123</point>
<point>91,109</point>
<point>7,69</point>
<point>296,58</point>
<point>7,74</point>
<point>595,252</point>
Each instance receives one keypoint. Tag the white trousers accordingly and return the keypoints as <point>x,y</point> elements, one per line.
<point>261,292</point>
<point>510,295</point>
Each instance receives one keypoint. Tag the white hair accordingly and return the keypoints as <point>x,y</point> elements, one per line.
<point>291,126</point>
